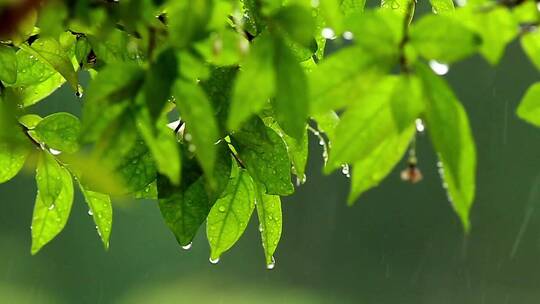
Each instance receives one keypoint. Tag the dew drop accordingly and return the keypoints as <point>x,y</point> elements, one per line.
<point>420,127</point>
<point>187,247</point>
<point>79,94</point>
<point>438,67</point>
<point>192,148</point>
<point>90,212</point>
<point>260,228</point>
<point>321,142</point>
<point>221,209</point>
<point>271,265</point>
<point>213,261</point>
<point>51,207</point>
<point>328,33</point>
<point>187,137</point>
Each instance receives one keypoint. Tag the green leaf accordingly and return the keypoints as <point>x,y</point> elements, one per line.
<point>110,47</point>
<point>401,7</point>
<point>255,84</point>
<point>496,27</point>
<point>100,208</point>
<point>59,131</point>
<point>297,22</point>
<point>49,51</point>
<point>188,19</point>
<point>443,38</point>
<point>529,107</point>
<point>369,171</point>
<point>381,113</point>
<point>49,178</point>
<point>50,218</point>
<point>112,86</point>
<point>327,123</point>
<point>291,104</point>
<point>8,64</point>
<point>12,158</point>
<point>159,80</point>
<point>530,42</point>
<point>196,110</point>
<point>264,154</point>
<point>442,7</point>
<point>452,138</point>
<point>161,141</point>
<point>186,206</point>
<point>230,215</point>
<point>30,121</point>
<point>270,223</point>
<point>297,150</point>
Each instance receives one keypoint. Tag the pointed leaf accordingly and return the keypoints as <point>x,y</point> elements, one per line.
<point>49,178</point>
<point>452,138</point>
<point>49,219</point>
<point>529,107</point>
<point>530,42</point>
<point>265,156</point>
<point>100,208</point>
<point>270,222</point>
<point>230,214</point>
<point>159,80</point>
<point>12,158</point>
<point>369,171</point>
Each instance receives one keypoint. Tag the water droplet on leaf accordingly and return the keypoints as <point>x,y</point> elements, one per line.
<point>187,247</point>
<point>214,261</point>
<point>438,67</point>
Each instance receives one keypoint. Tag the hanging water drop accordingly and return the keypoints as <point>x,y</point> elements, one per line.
<point>55,152</point>
<point>321,142</point>
<point>213,261</point>
<point>345,170</point>
<point>187,247</point>
<point>420,127</point>
<point>328,33</point>
<point>438,67</point>
<point>271,265</point>
<point>260,228</point>
<point>90,212</point>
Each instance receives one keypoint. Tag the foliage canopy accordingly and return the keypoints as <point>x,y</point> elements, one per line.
<point>206,105</point>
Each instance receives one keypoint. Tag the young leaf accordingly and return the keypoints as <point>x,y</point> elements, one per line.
<point>443,38</point>
<point>529,107</point>
<point>496,27</point>
<point>530,42</point>
<point>49,51</point>
<point>49,178</point>
<point>8,64</point>
<point>369,171</point>
<point>188,20</point>
<point>100,208</point>
<point>270,222</point>
<point>196,110</point>
<point>452,138</point>
<point>297,22</point>
<point>59,131</point>
<point>291,104</point>
<point>230,215</point>
<point>255,84</point>
<point>265,156</point>
<point>297,149</point>
<point>50,218</point>
<point>372,119</point>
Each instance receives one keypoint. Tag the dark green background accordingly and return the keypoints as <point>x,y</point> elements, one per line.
<point>400,243</point>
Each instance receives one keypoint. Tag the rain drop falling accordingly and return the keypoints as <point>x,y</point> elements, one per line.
<point>271,265</point>
<point>213,261</point>
<point>188,247</point>
<point>348,35</point>
<point>438,67</point>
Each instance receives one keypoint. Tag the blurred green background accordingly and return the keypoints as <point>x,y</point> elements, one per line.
<point>400,243</point>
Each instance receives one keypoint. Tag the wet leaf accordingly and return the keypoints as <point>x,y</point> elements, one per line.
<point>8,64</point>
<point>59,131</point>
<point>530,42</point>
<point>270,222</point>
<point>529,107</point>
<point>100,208</point>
